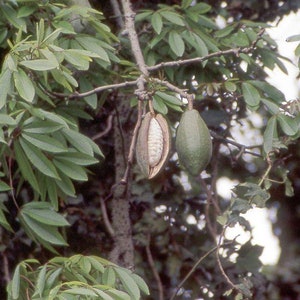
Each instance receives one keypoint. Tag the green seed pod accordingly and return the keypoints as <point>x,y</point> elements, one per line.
<point>193,142</point>
<point>153,144</point>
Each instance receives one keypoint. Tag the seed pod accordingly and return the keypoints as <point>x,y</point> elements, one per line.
<point>193,142</point>
<point>153,144</point>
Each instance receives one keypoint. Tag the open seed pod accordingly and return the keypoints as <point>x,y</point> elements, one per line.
<point>153,144</point>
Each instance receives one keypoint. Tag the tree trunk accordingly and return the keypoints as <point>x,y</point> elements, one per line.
<point>123,251</point>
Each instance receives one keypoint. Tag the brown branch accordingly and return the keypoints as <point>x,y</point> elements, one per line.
<point>154,271</point>
<point>117,13</point>
<point>7,277</point>
<point>106,220</point>
<point>235,51</point>
<point>135,44</point>
<point>106,130</point>
<point>228,280</point>
<point>133,143</point>
<point>11,184</point>
<point>96,90</point>
<point>194,268</point>
<point>242,147</point>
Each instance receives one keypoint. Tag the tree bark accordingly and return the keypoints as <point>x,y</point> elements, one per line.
<point>123,250</point>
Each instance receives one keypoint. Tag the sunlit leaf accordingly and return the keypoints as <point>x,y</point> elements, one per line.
<point>128,282</point>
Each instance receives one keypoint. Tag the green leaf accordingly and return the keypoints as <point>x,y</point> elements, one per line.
<point>24,85</point>
<point>12,17</point>
<point>169,98</point>
<point>109,276</point>
<point>128,282</point>
<point>40,282</point>
<point>4,186</point>
<point>38,159</point>
<point>251,94</point>
<point>159,105</point>
<point>81,291</point>
<point>77,158</point>
<point>27,10</point>
<point>141,283</point>
<point>225,31</point>
<point>45,233</point>
<point>288,124</point>
<point>79,141</point>
<point>85,86</point>
<point>3,220</point>
<point>5,84</point>
<point>230,86</point>
<point>172,17</point>
<point>44,213</point>
<point>270,134</point>
<point>65,184</point>
<point>207,22</point>
<point>118,295</point>
<point>156,22</point>
<point>52,192</point>
<point>42,127</point>
<point>240,205</point>
<point>7,120</point>
<point>104,295</point>
<point>186,3</point>
<point>77,59</point>
<point>176,43</point>
<point>143,15</point>
<point>269,90</point>
<point>94,45</point>
<point>15,284</point>
<point>25,166</point>
<point>39,64</point>
<point>96,264</point>
<point>272,106</point>
<point>71,170</point>
<point>44,142</point>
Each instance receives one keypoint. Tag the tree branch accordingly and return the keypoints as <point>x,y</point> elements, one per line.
<point>96,90</point>
<point>154,271</point>
<point>235,51</point>
<point>117,13</point>
<point>228,280</point>
<point>194,268</point>
<point>106,219</point>
<point>242,147</point>
<point>106,130</point>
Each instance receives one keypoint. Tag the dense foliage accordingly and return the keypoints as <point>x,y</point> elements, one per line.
<point>74,85</point>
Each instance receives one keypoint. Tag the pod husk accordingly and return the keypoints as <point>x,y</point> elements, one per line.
<point>142,155</point>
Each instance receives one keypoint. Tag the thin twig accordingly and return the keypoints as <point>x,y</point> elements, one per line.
<point>6,272</point>
<point>194,268</point>
<point>236,144</point>
<point>96,90</point>
<point>182,62</point>
<point>154,271</point>
<point>106,130</point>
<point>182,92</point>
<point>117,13</point>
<point>106,219</point>
<point>11,183</point>
<point>133,143</point>
<point>228,280</point>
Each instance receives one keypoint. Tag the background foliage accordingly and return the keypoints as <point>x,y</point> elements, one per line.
<point>61,156</point>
